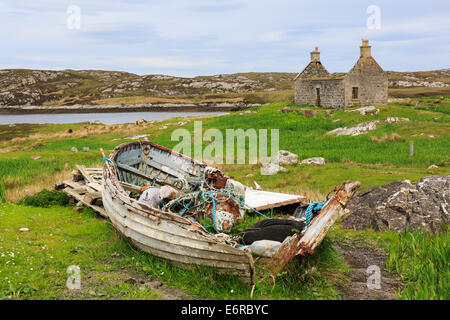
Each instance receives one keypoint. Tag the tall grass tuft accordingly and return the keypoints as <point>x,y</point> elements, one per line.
<point>2,192</point>
<point>422,259</point>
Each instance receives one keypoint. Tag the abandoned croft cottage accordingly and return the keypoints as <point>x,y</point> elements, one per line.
<point>365,84</point>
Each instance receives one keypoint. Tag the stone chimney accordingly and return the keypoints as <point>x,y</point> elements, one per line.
<point>365,49</point>
<point>315,55</point>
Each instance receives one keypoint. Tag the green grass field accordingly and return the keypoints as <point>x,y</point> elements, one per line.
<point>83,239</point>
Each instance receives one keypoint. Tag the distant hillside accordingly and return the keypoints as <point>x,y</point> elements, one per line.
<point>69,87</point>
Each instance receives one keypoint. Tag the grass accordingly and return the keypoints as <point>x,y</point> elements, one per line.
<point>34,263</point>
<point>376,158</point>
<point>422,260</point>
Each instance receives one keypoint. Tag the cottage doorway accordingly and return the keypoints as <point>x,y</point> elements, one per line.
<point>317,97</point>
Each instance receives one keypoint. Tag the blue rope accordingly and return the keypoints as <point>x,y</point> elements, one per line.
<point>312,209</point>
<point>185,207</point>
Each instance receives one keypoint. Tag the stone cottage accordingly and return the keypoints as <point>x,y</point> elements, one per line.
<point>365,84</point>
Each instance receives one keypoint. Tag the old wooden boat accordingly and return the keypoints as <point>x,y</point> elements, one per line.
<point>178,237</point>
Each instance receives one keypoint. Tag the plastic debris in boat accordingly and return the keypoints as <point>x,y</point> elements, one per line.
<point>150,196</point>
<point>264,248</point>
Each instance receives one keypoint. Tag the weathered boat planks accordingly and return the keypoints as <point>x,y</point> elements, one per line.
<point>86,188</point>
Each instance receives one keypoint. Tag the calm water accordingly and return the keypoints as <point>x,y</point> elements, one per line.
<point>105,118</point>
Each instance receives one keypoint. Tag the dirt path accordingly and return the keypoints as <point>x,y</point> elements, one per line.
<point>359,257</point>
<point>98,285</point>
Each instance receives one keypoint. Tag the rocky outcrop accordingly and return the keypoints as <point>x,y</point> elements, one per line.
<point>364,127</point>
<point>69,87</point>
<point>401,206</point>
<point>365,110</point>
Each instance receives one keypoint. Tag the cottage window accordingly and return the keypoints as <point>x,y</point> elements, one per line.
<point>355,93</point>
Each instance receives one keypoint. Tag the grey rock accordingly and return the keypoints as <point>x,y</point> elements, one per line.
<point>131,281</point>
<point>74,149</point>
<point>365,110</point>
<point>286,158</point>
<point>401,205</point>
<point>364,127</point>
<point>317,161</point>
<point>86,149</point>
<point>270,169</point>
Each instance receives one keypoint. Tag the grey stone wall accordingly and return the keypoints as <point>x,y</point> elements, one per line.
<point>331,92</point>
<point>372,83</point>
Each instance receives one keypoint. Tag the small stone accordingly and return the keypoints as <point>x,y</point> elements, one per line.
<point>433,166</point>
<point>249,175</point>
<point>24,229</point>
<point>270,169</point>
<point>154,284</point>
<point>74,149</point>
<point>131,281</point>
<point>35,157</point>
<point>286,158</point>
<point>141,121</point>
<point>317,161</point>
<point>86,149</point>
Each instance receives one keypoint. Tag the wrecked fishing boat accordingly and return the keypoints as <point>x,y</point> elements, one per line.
<point>181,210</point>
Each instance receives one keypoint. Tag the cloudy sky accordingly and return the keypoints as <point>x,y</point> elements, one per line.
<point>205,37</point>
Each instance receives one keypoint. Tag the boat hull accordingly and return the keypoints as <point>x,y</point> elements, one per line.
<point>169,236</point>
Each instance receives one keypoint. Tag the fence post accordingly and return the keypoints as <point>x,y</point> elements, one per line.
<point>411,148</point>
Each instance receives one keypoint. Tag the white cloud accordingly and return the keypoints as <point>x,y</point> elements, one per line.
<point>172,62</point>
<point>273,36</point>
